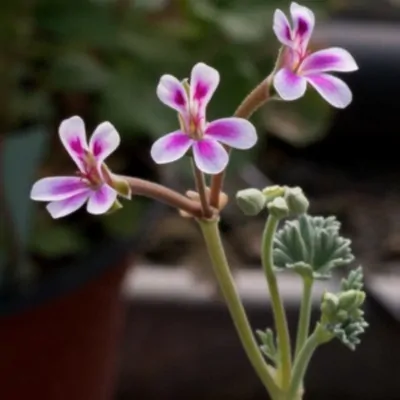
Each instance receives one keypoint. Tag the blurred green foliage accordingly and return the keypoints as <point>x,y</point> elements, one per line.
<point>102,59</point>
<point>109,54</point>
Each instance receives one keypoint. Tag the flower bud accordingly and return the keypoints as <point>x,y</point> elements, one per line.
<point>278,207</point>
<point>330,304</point>
<point>272,192</point>
<point>296,200</point>
<point>342,315</point>
<point>351,300</point>
<point>250,201</point>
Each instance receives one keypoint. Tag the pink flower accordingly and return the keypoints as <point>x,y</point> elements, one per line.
<point>66,194</point>
<point>204,138</point>
<point>300,66</point>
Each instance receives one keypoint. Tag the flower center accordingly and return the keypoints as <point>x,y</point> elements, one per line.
<point>90,174</point>
<point>298,56</point>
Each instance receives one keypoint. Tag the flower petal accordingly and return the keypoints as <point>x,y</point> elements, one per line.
<point>104,141</point>
<point>57,188</point>
<point>171,147</point>
<point>332,89</point>
<point>73,137</point>
<point>234,132</point>
<point>282,28</point>
<point>210,156</point>
<point>101,200</point>
<point>303,23</point>
<point>172,93</point>
<point>203,82</point>
<point>289,85</point>
<point>332,59</point>
<point>58,209</point>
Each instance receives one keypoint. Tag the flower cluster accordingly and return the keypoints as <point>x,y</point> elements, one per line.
<point>207,142</point>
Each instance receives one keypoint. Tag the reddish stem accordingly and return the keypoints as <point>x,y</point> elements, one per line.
<point>256,98</point>
<point>165,195</point>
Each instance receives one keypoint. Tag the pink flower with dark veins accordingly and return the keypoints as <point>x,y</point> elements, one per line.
<point>93,184</point>
<point>204,138</point>
<point>300,66</point>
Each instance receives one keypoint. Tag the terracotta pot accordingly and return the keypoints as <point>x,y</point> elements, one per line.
<point>65,348</point>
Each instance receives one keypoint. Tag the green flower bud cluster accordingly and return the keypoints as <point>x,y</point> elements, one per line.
<point>342,316</point>
<point>281,201</point>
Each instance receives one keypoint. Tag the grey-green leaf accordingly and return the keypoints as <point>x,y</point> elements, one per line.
<point>311,241</point>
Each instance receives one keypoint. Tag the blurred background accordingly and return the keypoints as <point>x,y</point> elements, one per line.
<point>64,333</point>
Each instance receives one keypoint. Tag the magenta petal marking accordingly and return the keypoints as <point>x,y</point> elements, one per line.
<point>171,92</point>
<point>332,59</point>
<point>304,21</point>
<point>101,200</point>
<point>104,141</point>
<point>282,28</point>
<point>234,132</point>
<point>332,89</point>
<point>73,136</point>
<point>58,209</point>
<point>210,156</point>
<point>57,188</point>
<point>171,147</point>
<point>204,81</point>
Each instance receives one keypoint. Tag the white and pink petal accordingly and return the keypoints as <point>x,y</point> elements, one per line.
<point>234,132</point>
<point>332,89</point>
<point>170,147</point>
<point>172,93</point>
<point>57,188</point>
<point>104,141</point>
<point>303,24</point>
<point>73,136</point>
<point>289,85</point>
<point>210,156</point>
<point>282,28</point>
<point>204,80</point>
<point>332,59</point>
<point>62,208</point>
<point>101,200</point>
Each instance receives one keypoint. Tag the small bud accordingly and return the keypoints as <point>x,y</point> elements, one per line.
<point>296,200</point>
<point>351,300</point>
<point>278,207</point>
<point>342,315</point>
<point>330,304</point>
<point>272,192</point>
<point>250,201</point>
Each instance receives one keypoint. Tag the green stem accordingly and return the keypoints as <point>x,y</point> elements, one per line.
<point>221,268</point>
<point>301,364</point>
<point>282,330</point>
<point>305,314</point>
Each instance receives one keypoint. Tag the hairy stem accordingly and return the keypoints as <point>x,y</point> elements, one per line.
<point>255,99</point>
<point>221,268</point>
<point>165,195</point>
<point>282,330</point>
<point>305,315</point>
